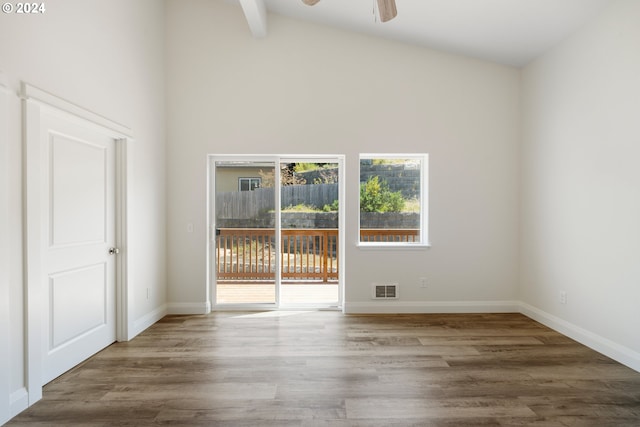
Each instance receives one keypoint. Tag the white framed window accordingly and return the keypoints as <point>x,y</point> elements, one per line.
<point>393,203</point>
<point>249,184</point>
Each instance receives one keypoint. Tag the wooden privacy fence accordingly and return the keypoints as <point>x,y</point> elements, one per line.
<point>250,204</point>
<point>244,204</point>
<point>316,195</point>
<point>248,254</point>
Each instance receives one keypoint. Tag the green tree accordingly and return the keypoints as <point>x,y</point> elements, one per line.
<point>305,167</point>
<point>375,196</point>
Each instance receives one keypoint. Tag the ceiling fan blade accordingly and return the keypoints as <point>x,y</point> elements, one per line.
<point>387,9</point>
<point>310,2</point>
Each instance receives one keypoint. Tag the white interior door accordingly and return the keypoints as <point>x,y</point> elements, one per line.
<point>78,230</point>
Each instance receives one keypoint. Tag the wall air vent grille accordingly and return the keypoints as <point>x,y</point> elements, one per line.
<point>385,291</point>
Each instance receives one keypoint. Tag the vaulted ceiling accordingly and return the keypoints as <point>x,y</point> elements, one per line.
<point>510,32</point>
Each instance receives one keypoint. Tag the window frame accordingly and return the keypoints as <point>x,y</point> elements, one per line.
<point>250,179</point>
<point>423,159</point>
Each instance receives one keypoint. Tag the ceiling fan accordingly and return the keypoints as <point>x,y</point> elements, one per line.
<point>386,8</point>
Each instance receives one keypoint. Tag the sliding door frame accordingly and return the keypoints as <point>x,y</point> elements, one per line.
<point>211,226</point>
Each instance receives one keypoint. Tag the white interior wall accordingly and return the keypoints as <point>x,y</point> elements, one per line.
<point>108,57</point>
<point>309,89</point>
<point>580,179</point>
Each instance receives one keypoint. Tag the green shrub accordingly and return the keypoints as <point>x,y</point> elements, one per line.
<point>375,196</point>
<point>333,207</point>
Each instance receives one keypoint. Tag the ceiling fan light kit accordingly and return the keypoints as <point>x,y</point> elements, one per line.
<point>386,8</point>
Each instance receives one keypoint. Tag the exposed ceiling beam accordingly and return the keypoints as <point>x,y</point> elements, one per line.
<point>256,14</point>
<point>387,9</point>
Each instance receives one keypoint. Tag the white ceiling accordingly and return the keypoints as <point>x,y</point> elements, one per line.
<point>511,32</point>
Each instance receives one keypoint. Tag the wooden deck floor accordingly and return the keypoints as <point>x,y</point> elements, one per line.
<point>329,369</point>
<point>298,293</point>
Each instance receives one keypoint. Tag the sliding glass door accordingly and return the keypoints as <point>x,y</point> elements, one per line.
<point>309,231</point>
<point>275,225</point>
<point>245,245</point>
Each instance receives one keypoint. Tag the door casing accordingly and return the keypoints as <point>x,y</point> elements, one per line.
<point>5,295</point>
<point>34,102</point>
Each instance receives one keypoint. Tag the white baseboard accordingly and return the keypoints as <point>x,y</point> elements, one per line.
<point>18,401</point>
<point>611,349</point>
<point>189,308</point>
<point>147,320</point>
<point>406,307</point>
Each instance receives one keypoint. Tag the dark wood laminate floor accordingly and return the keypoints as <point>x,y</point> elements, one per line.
<point>328,369</point>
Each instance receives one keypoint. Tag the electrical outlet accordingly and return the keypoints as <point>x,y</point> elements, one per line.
<point>148,292</point>
<point>563,297</point>
<point>423,282</point>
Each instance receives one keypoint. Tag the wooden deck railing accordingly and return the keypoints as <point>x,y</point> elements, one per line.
<point>245,254</point>
<point>310,254</point>
<point>306,255</point>
<point>248,254</point>
<point>389,235</point>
